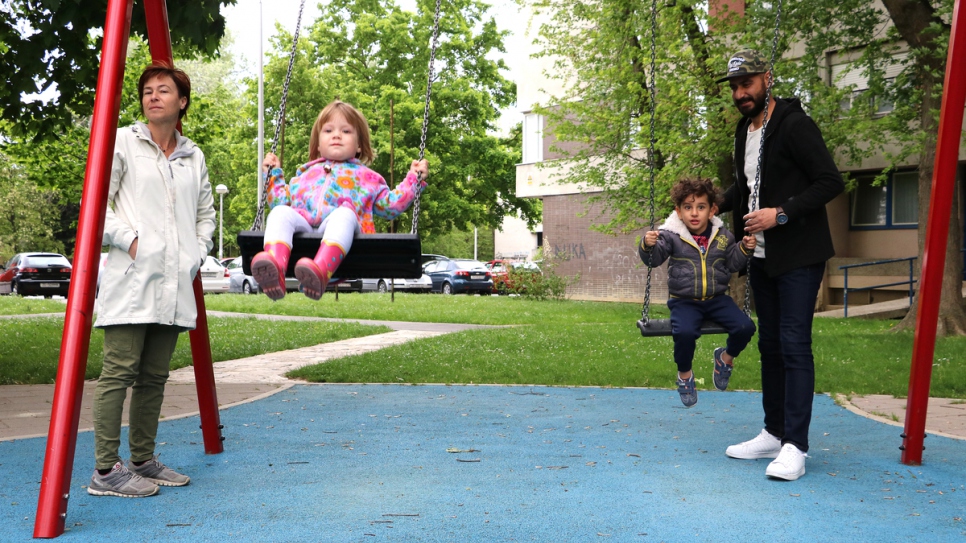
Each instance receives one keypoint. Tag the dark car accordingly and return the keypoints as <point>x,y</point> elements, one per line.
<point>36,274</point>
<point>455,275</point>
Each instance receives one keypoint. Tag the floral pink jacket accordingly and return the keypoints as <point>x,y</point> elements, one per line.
<point>321,186</point>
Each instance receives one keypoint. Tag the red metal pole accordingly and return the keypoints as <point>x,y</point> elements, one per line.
<point>205,377</point>
<point>68,392</point>
<point>159,34</point>
<point>937,230</point>
<point>159,41</point>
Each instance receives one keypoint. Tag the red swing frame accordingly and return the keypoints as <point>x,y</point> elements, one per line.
<point>68,392</point>
<point>65,412</point>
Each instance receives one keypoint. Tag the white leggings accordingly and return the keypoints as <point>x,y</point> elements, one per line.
<point>338,228</point>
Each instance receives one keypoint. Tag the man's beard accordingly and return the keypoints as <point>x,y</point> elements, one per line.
<point>759,105</point>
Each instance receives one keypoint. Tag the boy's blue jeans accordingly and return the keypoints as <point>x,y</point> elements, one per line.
<point>687,316</point>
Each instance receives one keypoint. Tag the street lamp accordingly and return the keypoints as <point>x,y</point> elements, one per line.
<point>222,190</point>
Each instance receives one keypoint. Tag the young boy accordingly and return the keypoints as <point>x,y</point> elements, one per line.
<point>703,255</point>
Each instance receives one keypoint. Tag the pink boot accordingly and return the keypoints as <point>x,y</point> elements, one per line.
<point>314,274</point>
<point>268,269</point>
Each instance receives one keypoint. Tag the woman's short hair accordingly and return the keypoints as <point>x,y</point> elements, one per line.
<point>162,68</point>
<point>355,118</point>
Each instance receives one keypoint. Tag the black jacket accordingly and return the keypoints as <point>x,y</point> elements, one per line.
<point>797,173</point>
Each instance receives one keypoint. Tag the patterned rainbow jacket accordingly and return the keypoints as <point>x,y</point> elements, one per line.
<point>322,185</point>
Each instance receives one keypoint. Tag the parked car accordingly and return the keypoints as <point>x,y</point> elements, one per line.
<point>455,275</point>
<point>506,274</point>
<point>36,274</point>
<point>423,284</point>
<point>238,281</point>
<point>214,276</point>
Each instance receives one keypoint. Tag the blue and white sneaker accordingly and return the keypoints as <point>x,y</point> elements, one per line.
<point>689,395</point>
<point>722,371</point>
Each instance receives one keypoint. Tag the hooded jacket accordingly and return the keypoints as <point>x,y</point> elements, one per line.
<point>691,272</point>
<point>166,203</point>
<point>798,174</point>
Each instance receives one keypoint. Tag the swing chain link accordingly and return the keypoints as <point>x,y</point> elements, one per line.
<point>753,203</point>
<point>422,136</point>
<point>280,116</point>
<point>645,310</point>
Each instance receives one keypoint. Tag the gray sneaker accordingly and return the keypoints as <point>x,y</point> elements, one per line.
<point>122,483</point>
<point>156,472</point>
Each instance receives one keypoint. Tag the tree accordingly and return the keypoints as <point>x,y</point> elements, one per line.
<point>57,164</point>
<point>54,45</point>
<point>375,56</point>
<point>606,106</point>
<point>28,214</point>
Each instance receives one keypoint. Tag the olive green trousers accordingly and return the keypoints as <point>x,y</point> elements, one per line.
<point>136,356</point>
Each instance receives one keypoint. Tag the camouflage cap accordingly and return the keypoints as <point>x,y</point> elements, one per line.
<point>745,62</point>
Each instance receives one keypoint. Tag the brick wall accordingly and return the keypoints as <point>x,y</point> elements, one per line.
<point>609,266</point>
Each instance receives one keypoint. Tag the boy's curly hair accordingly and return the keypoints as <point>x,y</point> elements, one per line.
<point>694,186</point>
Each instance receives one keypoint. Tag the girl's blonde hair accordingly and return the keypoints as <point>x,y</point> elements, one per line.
<point>355,118</point>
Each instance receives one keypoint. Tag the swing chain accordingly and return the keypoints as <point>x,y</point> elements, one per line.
<point>645,311</point>
<point>422,137</point>
<point>753,203</point>
<point>280,117</point>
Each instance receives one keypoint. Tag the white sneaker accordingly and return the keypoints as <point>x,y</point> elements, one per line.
<point>789,465</point>
<point>763,446</point>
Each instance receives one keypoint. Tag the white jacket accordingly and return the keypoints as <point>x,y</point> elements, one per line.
<point>166,203</point>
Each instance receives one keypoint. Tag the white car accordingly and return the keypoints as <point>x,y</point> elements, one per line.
<point>423,284</point>
<point>214,276</point>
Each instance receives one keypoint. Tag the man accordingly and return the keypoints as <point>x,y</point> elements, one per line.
<point>785,210</point>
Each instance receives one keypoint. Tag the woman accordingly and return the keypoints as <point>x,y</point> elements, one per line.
<point>159,225</point>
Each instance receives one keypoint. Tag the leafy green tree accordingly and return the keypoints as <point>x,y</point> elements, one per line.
<point>605,109</point>
<point>48,45</point>
<point>28,214</point>
<point>375,56</point>
<point>461,244</point>
<point>58,164</point>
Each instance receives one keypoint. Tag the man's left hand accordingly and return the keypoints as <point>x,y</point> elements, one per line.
<point>761,220</point>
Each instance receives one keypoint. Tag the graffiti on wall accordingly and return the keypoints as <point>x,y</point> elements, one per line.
<point>572,251</point>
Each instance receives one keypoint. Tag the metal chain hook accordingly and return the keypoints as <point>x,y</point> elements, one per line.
<point>280,116</point>
<point>422,138</point>
<point>753,203</point>
<point>645,310</point>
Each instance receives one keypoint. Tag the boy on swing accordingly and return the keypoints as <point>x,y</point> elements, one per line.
<point>703,256</point>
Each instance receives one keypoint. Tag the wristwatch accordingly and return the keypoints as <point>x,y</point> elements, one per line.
<point>781,218</point>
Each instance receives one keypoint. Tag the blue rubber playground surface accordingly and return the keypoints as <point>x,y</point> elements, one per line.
<point>495,463</point>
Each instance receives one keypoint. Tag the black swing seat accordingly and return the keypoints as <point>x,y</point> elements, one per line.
<point>396,256</point>
<point>662,327</point>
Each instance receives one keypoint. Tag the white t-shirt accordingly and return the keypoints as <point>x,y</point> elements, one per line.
<point>752,146</point>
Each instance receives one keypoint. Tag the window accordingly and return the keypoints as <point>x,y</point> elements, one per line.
<point>893,204</point>
<point>849,74</point>
<point>532,138</point>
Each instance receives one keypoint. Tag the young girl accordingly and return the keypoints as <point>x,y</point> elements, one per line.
<point>335,194</point>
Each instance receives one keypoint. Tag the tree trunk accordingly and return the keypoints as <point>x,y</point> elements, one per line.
<point>913,19</point>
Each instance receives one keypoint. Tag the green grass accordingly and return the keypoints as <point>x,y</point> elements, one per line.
<point>493,310</point>
<point>858,356</point>
<point>565,343</point>
<point>30,348</point>
<point>15,305</point>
